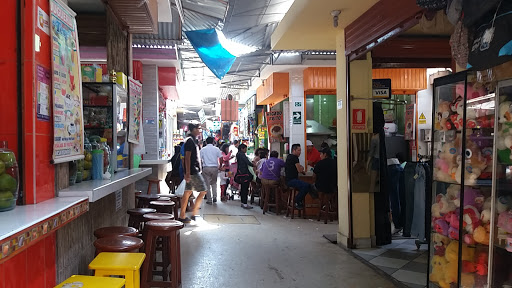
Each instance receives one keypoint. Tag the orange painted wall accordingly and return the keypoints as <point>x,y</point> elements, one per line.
<point>275,89</point>
<point>260,94</point>
<point>320,80</point>
<point>403,81</point>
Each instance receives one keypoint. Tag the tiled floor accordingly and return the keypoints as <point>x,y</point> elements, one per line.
<point>401,260</point>
<point>277,253</point>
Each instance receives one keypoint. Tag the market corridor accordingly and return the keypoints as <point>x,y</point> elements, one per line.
<point>274,252</point>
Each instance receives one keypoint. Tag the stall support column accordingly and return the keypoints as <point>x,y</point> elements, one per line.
<point>343,237</point>
<point>297,126</point>
<point>363,215</point>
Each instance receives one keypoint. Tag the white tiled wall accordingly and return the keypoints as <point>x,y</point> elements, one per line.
<point>150,110</point>
<point>297,95</point>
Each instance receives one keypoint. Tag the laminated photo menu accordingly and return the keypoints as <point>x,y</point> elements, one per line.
<point>66,86</point>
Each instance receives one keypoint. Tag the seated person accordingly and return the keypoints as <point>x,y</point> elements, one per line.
<point>262,158</point>
<point>313,154</point>
<point>325,145</point>
<point>326,175</point>
<point>270,171</point>
<point>292,170</point>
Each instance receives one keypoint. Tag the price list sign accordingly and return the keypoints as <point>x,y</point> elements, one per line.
<point>66,86</point>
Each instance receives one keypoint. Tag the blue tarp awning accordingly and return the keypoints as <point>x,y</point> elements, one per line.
<point>207,45</point>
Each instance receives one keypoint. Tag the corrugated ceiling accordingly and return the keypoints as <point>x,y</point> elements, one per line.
<point>169,33</point>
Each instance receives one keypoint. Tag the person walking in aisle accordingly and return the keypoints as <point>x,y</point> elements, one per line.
<point>245,175</point>
<point>210,156</point>
<point>195,181</point>
<point>223,174</point>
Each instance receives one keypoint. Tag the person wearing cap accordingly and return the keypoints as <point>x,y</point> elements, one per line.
<point>121,140</point>
<point>325,173</point>
<point>313,154</point>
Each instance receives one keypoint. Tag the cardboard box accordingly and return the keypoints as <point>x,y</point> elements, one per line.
<point>122,79</point>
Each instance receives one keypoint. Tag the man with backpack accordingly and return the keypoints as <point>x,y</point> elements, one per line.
<point>192,167</point>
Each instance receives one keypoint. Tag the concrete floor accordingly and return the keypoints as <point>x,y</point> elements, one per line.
<point>280,252</point>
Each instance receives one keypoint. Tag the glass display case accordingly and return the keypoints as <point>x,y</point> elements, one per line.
<point>105,116</point>
<point>464,178</point>
<point>501,213</point>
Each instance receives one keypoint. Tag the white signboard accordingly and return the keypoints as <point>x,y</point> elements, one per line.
<point>119,200</point>
<point>202,116</point>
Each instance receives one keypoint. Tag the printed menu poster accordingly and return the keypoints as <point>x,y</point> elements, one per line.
<point>409,122</point>
<point>275,126</point>
<point>43,93</point>
<point>67,89</point>
<point>135,96</point>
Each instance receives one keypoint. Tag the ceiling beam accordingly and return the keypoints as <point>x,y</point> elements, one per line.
<point>414,47</point>
<point>384,20</point>
<point>411,63</point>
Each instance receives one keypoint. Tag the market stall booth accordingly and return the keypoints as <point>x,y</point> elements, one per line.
<point>469,241</point>
<point>320,118</point>
<point>159,123</point>
<point>44,127</point>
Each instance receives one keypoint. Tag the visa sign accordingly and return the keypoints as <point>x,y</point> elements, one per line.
<point>381,88</point>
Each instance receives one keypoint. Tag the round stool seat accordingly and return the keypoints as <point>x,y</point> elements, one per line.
<point>118,244</point>
<point>162,203</point>
<point>140,211</point>
<point>115,231</point>
<point>158,216</point>
<point>164,225</point>
<point>164,198</point>
<point>151,197</point>
<point>168,195</point>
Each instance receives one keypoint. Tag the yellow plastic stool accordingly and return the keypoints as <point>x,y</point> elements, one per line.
<point>79,281</point>
<point>119,264</point>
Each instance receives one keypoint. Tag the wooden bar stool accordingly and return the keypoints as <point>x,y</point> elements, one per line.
<point>118,244</point>
<point>159,243</point>
<point>175,199</point>
<point>261,201</point>
<point>163,206</point>
<point>115,231</point>
<point>152,181</point>
<point>158,216</point>
<point>269,191</point>
<point>136,220</point>
<point>92,281</point>
<point>169,230</point>
<point>137,193</point>
<point>328,207</point>
<point>143,200</point>
<point>119,264</point>
<point>255,190</point>
<point>291,204</point>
